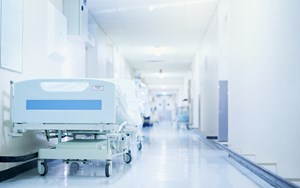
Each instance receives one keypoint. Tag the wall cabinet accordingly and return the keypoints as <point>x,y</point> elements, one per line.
<point>76,12</point>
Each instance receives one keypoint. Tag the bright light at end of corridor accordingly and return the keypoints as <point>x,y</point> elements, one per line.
<point>162,87</point>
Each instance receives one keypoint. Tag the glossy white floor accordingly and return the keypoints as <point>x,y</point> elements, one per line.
<point>170,158</point>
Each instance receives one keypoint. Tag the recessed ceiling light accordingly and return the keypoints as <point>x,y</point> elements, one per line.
<point>151,8</point>
<point>155,60</point>
<point>157,51</point>
<point>161,74</point>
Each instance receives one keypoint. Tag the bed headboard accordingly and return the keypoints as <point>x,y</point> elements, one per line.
<point>67,101</point>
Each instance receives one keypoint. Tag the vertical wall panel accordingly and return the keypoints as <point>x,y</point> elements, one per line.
<point>223,111</point>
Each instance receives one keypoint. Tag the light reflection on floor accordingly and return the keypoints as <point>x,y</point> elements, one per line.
<point>170,158</point>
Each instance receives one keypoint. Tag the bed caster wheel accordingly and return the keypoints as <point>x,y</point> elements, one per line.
<point>74,167</point>
<point>127,157</point>
<point>139,146</point>
<point>108,168</point>
<point>42,168</point>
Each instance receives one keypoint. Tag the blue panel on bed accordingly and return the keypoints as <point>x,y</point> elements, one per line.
<point>63,104</point>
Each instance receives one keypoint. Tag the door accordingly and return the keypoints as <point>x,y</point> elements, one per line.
<point>223,111</point>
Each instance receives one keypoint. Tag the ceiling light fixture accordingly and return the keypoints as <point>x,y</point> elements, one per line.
<point>151,8</point>
<point>161,75</point>
<point>157,51</point>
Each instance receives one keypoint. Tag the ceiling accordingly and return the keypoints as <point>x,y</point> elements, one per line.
<point>155,35</point>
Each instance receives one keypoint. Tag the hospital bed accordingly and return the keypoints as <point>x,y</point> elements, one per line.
<point>134,110</point>
<point>91,113</point>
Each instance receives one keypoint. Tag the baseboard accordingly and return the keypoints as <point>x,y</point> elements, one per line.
<point>14,159</point>
<point>212,137</point>
<point>270,177</point>
<point>207,135</point>
<point>17,170</point>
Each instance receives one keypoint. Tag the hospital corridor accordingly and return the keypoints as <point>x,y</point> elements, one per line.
<point>149,93</point>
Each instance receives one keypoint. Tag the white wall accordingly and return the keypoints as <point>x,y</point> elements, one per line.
<point>183,92</point>
<point>98,57</point>
<point>255,45</point>
<point>264,81</point>
<point>105,60</point>
<point>205,79</point>
<point>195,87</point>
<point>121,68</point>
